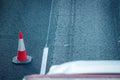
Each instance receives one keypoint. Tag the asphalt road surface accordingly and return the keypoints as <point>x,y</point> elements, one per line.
<point>79,30</point>
<point>30,17</point>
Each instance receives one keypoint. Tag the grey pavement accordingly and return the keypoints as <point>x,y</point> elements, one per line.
<point>85,30</point>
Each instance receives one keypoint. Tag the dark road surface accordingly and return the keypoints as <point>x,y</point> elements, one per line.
<point>80,30</point>
<point>30,17</point>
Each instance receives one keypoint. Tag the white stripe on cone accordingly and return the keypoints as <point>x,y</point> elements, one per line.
<point>21,46</point>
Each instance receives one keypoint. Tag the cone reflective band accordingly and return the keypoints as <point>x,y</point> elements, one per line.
<point>21,57</point>
<point>21,51</point>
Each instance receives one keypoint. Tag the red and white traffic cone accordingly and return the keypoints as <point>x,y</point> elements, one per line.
<point>21,57</point>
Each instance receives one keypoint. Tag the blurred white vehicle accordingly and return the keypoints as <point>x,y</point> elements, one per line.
<point>87,67</point>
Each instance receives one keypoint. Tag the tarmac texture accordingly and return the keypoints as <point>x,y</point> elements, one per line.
<point>30,17</point>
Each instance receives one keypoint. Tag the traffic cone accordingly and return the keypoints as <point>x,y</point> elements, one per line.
<point>22,57</point>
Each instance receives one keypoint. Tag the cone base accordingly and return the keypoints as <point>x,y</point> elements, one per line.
<point>16,61</point>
